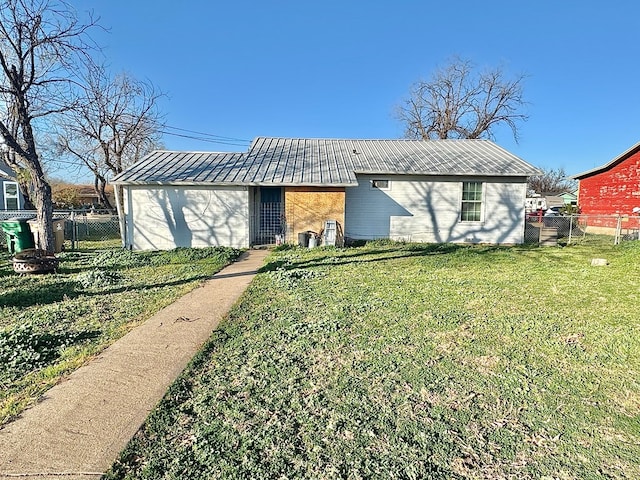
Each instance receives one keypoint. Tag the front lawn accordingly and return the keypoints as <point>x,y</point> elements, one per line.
<point>52,324</point>
<point>413,361</point>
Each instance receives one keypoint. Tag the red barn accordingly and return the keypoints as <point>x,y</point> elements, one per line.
<point>613,188</point>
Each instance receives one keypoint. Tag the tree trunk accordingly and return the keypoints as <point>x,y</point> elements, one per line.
<point>44,214</point>
<point>100,185</point>
<point>42,189</point>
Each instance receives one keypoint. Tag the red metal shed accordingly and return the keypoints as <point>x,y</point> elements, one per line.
<point>613,188</point>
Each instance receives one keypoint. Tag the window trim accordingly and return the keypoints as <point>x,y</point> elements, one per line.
<point>372,184</point>
<point>7,196</point>
<point>481,201</point>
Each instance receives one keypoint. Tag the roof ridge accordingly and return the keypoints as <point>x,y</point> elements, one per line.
<point>197,151</point>
<point>348,139</point>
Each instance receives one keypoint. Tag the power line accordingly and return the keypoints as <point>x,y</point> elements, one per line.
<point>205,139</point>
<point>209,134</point>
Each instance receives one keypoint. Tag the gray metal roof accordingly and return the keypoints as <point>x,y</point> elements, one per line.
<point>163,167</point>
<point>327,162</point>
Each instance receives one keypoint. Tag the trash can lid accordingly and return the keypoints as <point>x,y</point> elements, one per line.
<point>18,219</point>
<point>14,223</point>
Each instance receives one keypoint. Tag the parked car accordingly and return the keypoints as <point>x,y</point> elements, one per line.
<point>552,212</point>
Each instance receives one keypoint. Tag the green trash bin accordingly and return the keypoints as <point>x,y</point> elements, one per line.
<point>18,233</point>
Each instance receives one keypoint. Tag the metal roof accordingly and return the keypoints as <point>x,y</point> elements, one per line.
<point>326,162</point>
<point>163,167</point>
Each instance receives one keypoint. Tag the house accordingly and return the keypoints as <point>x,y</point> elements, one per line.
<point>10,196</point>
<point>569,198</point>
<point>553,200</point>
<point>69,195</point>
<point>467,191</point>
<point>87,195</point>
<point>611,189</point>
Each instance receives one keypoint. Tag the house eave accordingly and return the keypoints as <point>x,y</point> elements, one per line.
<point>235,184</point>
<point>620,158</point>
<point>449,174</point>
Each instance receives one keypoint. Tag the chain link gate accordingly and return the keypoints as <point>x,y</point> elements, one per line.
<point>79,225</point>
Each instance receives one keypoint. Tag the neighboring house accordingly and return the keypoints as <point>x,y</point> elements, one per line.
<point>569,198</point>
<point>10,196</point>
<point>553,200</point>
<point>467,191</point>
<point>612,189</point>
<point>87,195</point>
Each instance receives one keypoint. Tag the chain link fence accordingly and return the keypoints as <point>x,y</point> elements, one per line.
<point>86,226</point>
<point>79,225</point>
<point>576,229</point>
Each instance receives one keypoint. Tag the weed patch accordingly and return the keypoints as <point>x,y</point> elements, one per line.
<point>119,258</point>
<point>26,347</point>
<point>291,278</point>
<point>95,279</point>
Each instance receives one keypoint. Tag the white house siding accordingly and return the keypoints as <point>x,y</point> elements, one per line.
<point>427,209</point>
<point>166,217</point>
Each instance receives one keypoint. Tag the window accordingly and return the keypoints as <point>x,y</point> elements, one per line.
<point>471,202</point>
<point>381,184</point>
<point>11,201</point>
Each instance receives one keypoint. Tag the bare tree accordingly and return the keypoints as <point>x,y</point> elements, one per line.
<point>41,42</point>
<point>116,123</point>
<point>458,102</point>
<point>551,181</point>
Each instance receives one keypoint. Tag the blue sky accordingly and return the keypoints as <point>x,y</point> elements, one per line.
<point>248,68</point>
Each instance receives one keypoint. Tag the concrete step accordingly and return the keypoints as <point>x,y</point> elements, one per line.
<point>549,236</point>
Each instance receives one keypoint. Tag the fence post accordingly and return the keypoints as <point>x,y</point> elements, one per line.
<point>73,229</point>
<point>570,229</point>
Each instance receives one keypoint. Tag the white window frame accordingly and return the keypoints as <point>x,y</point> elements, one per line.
<point>8,196</point>
<point>483,187</point>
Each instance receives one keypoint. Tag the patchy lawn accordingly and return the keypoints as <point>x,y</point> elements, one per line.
<point>52,324</point>
<point>413,361</point>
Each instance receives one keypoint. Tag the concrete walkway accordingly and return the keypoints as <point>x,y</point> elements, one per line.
<point>83,423</point>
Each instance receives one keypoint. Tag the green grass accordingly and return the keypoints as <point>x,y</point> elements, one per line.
<point>52,324</point>
<point>413,361</point>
